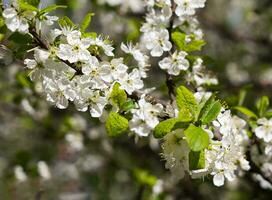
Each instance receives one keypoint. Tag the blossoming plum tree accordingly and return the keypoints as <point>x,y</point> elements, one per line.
<point>200,135</point>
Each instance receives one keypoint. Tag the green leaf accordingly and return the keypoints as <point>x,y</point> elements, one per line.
<point>116,124</point>
<point>253,124</point>
<point>262,105</point>
<point>210,110</point>
<point>242,96</point>
<point>66,22</point>
<point>268,114</point>
<point>128,105</point>
<point>167,126</point>
<point>246,112</point>
<point>186,103</point>
<point>2,22</point>
<point>164,127</point>
<point>196,160</point>
<point>180,40</point>
<point>118,96</point>
<point>24,5</point>
<point>2,36</point>
<point>201,105</point>
<point>23,80</point>
<point>86,22</point>
<point>89,34</point>
<point>51,8</point>
<point>197,138</point>
<point>33,2</point>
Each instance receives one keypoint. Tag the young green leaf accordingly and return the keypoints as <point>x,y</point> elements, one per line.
<point>262,105</point>
<point>196,160</point>
<point>86,22</point>
<point>89,34</point>
<point>186,103</point>
<point>246,112</point>
<point>180,40</point>
<point>116,124</point>
<point>32,2</point>
<point>24,5</point>
<point>118,96</point>
<point>51,8</point>
<point>164,127</point>
<point>268,114</point>
<point>66,22</point>
<point>210,110</point>
<point>128,105</point>
<point>2,22</point>
<point>197,138</point>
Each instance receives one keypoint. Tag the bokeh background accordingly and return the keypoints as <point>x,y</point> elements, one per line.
<point>46,153</point>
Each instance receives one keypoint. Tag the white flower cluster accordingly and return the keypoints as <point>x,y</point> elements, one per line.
<point>176,154</point>
<point>224,157</point>
<point>262,155</point>
<point>68,71</point>
<point>188,7</point>
<point>16,20</point>
<point>161,18</point>
<point>200,76</point>
<point>264,129</point>
<point>155,34</point>
<point>145,117</point>
<point>175,63</point>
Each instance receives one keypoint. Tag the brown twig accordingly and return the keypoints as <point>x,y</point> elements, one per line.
<point>169,79</point>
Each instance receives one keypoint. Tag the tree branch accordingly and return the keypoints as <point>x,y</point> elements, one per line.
<point>169,79</point>
<point>135,96</point>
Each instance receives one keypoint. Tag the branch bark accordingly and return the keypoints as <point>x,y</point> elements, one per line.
<point>169,79</point>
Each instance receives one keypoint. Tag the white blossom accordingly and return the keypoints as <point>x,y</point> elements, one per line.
<point>145,118</point>
<point>139,56</point>
<point>37,65</point>
<point>15,22</point>
<point>98,41</point>
<point>175,63</point>
<point>59,91</point>
<point>113,70</point>
<point>176,154</point>
<point>200,76</point>
<point>49,20</point>
<point>187,7</point>
<point>131,82</point>
<point>97,104</point>
<point>264,130</point>
<point>76,48</point>
<point>96,73</point>
<point>158,42</point>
